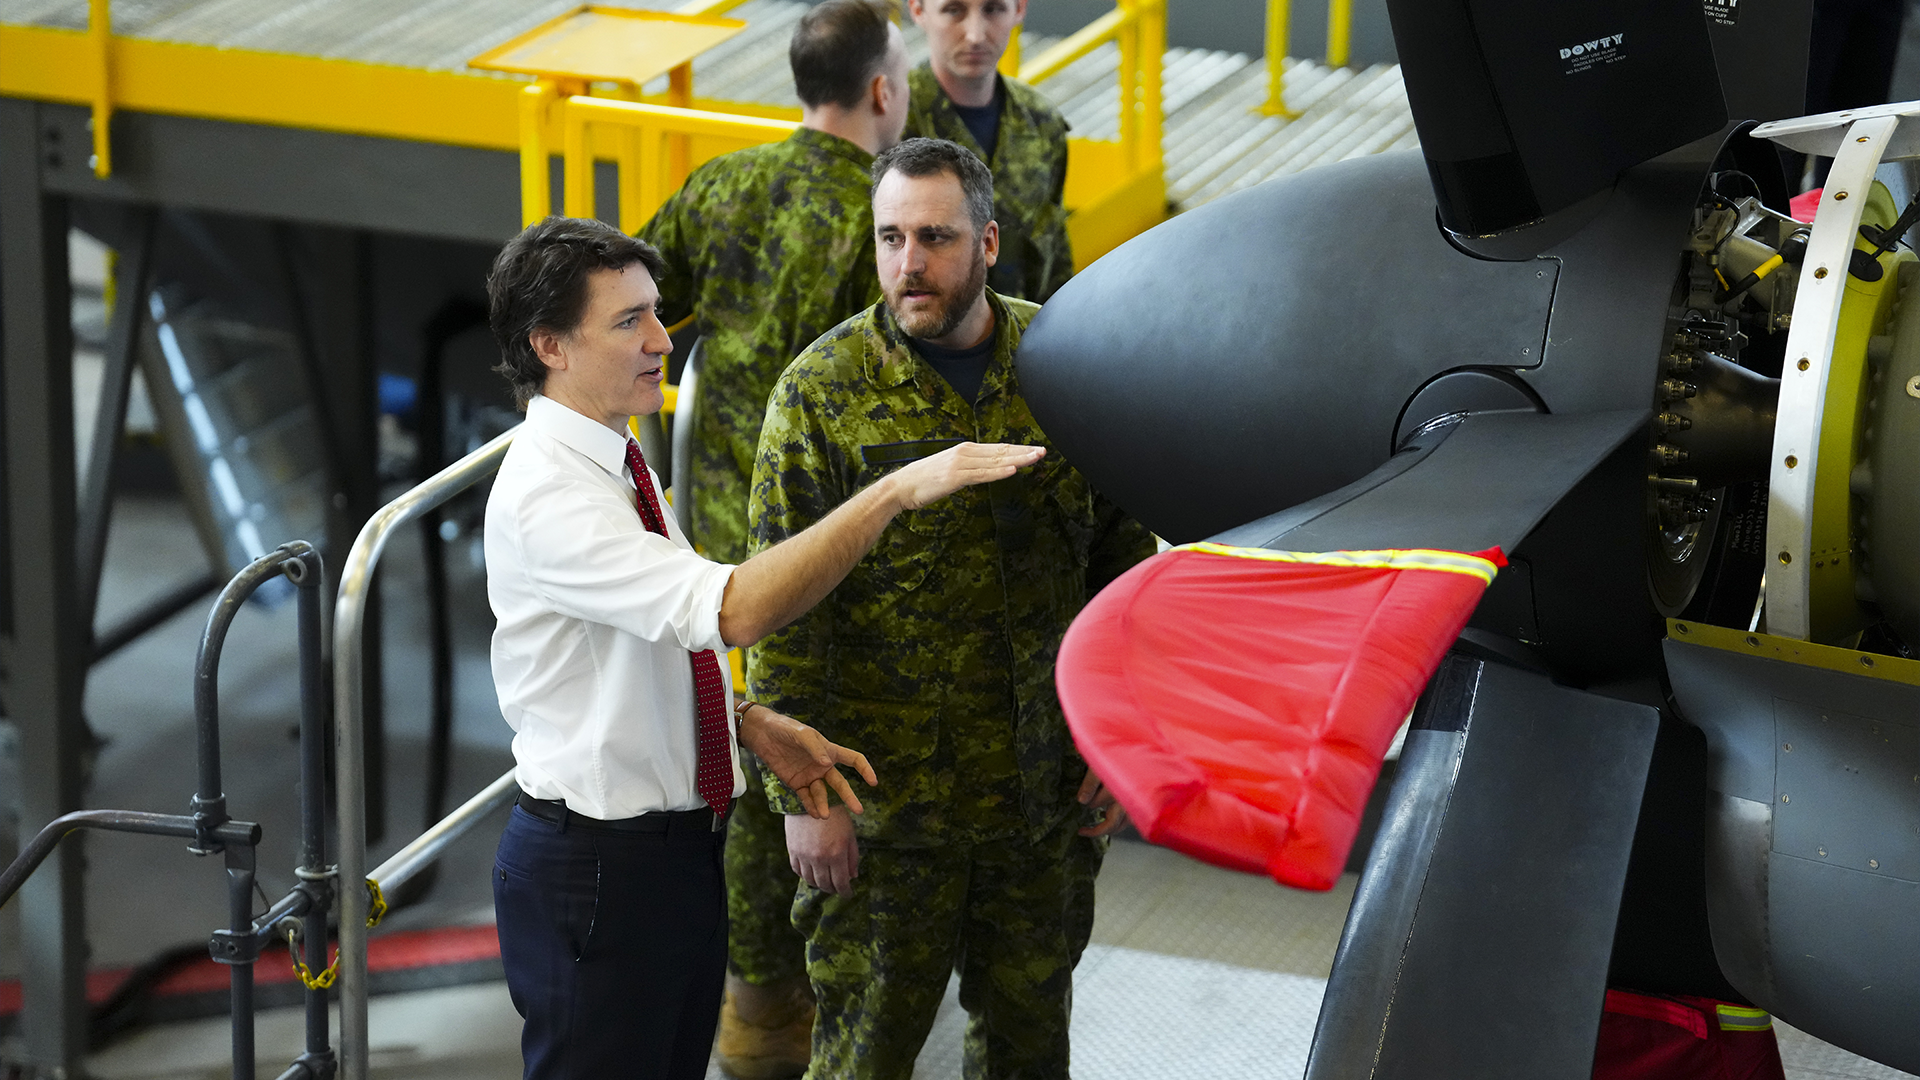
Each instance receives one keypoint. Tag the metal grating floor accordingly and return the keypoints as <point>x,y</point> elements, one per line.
<point>1214,140</point>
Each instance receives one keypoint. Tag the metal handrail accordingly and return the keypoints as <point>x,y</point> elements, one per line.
<point>1078,44</point>
<point>430,845</point>
<point>642,154</point>
<point>350,782</point>
<point>1279,24</point>
<point>1139,28</point>
<point>647,173</point>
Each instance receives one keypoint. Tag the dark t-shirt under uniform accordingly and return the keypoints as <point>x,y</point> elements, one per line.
<point>964,369</point>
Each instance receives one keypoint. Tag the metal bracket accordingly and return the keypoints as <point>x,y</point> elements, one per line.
<point>231,947</point>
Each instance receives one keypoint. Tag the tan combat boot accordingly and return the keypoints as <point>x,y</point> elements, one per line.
<point>766,1032</point>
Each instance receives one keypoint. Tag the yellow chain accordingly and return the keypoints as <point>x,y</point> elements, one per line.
<point>307,977</point>
<point>376,911</point>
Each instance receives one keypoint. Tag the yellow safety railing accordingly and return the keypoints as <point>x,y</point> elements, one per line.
<point>1139,27</point>
<point>1279,23</point>
<point>1114,189</point>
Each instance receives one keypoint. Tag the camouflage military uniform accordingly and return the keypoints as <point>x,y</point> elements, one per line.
<point>935,657</point>
<point>1029,166</point>
<point>768,247</point>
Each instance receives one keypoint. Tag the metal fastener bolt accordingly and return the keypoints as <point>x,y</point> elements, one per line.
<point>1788,747</point>
<point>1786,558</point>
<point>1792,461</point>
<point>1875,863</point>
<point>1804,365</point>
<point>1820,272</point>
<point>1823,853</point>
<point>1839,196</point>
<point>1862,138</point>
<point>1913,387</point>
<point>1681,628</point>
<point>1784,798</point>
<point>1753,642</point>
<point>1866,661</point>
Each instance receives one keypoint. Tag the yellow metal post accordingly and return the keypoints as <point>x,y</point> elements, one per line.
<point>1153,54</point>
<point>1129,41</point>
<point>1339,32</point>
<point>577,189</point>
<point>1010,60</point>
<point>536,192</point>
<point>679,147</point>
<point>1279,18</point>
<point>100,35</point>
<point>633,167</point>
<point>652,190</point>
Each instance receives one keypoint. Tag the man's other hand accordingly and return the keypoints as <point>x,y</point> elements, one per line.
<point>1109,815</point>
<point>823,851</point>
<point>804,759</point>
<point>933,478</point>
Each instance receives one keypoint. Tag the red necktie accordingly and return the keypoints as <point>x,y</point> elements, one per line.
<point>714,772</point>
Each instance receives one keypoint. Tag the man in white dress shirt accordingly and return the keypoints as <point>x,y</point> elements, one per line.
<point>607,884</point>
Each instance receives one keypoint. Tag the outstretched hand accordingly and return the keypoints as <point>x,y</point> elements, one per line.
<point>804,759</point>
<point>933,478</point>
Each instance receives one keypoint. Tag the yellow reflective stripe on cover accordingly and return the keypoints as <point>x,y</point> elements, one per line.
<point>1452,562</point>
<point>1741,1018</point>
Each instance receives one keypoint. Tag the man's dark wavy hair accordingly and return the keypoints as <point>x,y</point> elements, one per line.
<point>539,281</point>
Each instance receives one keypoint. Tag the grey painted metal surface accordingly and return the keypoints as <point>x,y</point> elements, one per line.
<point>45,672</point>
<point>1490,907</point>
<point>1096,362</point>
<point>1813,809</point>
<point>288,174</point>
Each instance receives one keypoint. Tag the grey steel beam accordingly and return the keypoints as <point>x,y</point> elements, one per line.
<point>110,418</point>
<point>293,174</point>
<point>47,674</point>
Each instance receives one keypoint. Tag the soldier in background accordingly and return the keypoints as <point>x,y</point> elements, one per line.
<point>960,96</point>
<point>980,847</point>
<point>768,248</point>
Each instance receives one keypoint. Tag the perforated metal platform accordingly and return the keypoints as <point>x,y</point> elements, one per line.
<point>1214,139</point>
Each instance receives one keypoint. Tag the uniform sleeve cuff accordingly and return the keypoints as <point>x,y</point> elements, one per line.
<point>780,797</point>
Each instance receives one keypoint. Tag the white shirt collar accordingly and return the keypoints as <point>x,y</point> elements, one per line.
<point>594,440</point>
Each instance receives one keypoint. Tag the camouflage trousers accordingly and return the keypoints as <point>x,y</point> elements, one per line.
<point>762,945</point>
<point>1012,916</point>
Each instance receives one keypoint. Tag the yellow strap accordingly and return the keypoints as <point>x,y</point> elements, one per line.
<point>1451,562</point>
<point>1741,1018</point>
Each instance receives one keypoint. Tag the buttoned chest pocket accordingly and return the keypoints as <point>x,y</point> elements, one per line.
<point>911,546</point>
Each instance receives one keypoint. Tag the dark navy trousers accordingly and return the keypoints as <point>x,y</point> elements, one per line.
<point>615,947</point>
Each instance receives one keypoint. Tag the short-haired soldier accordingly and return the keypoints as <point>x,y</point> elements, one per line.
<point>959,95</point>
<point>768,248</point>
<point>936,656</point>
<point>607,886</point>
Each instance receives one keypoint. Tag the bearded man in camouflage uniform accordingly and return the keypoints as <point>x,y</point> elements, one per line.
<point>768,248</point>
<point>959,95</point>
<point>980,845</point>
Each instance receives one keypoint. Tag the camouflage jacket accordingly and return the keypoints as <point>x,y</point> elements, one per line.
<point>935,656</point>
<point>768,248</point>
<point>1029,180</point>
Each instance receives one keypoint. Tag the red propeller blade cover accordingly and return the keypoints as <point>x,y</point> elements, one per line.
<point>1238,701</point>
